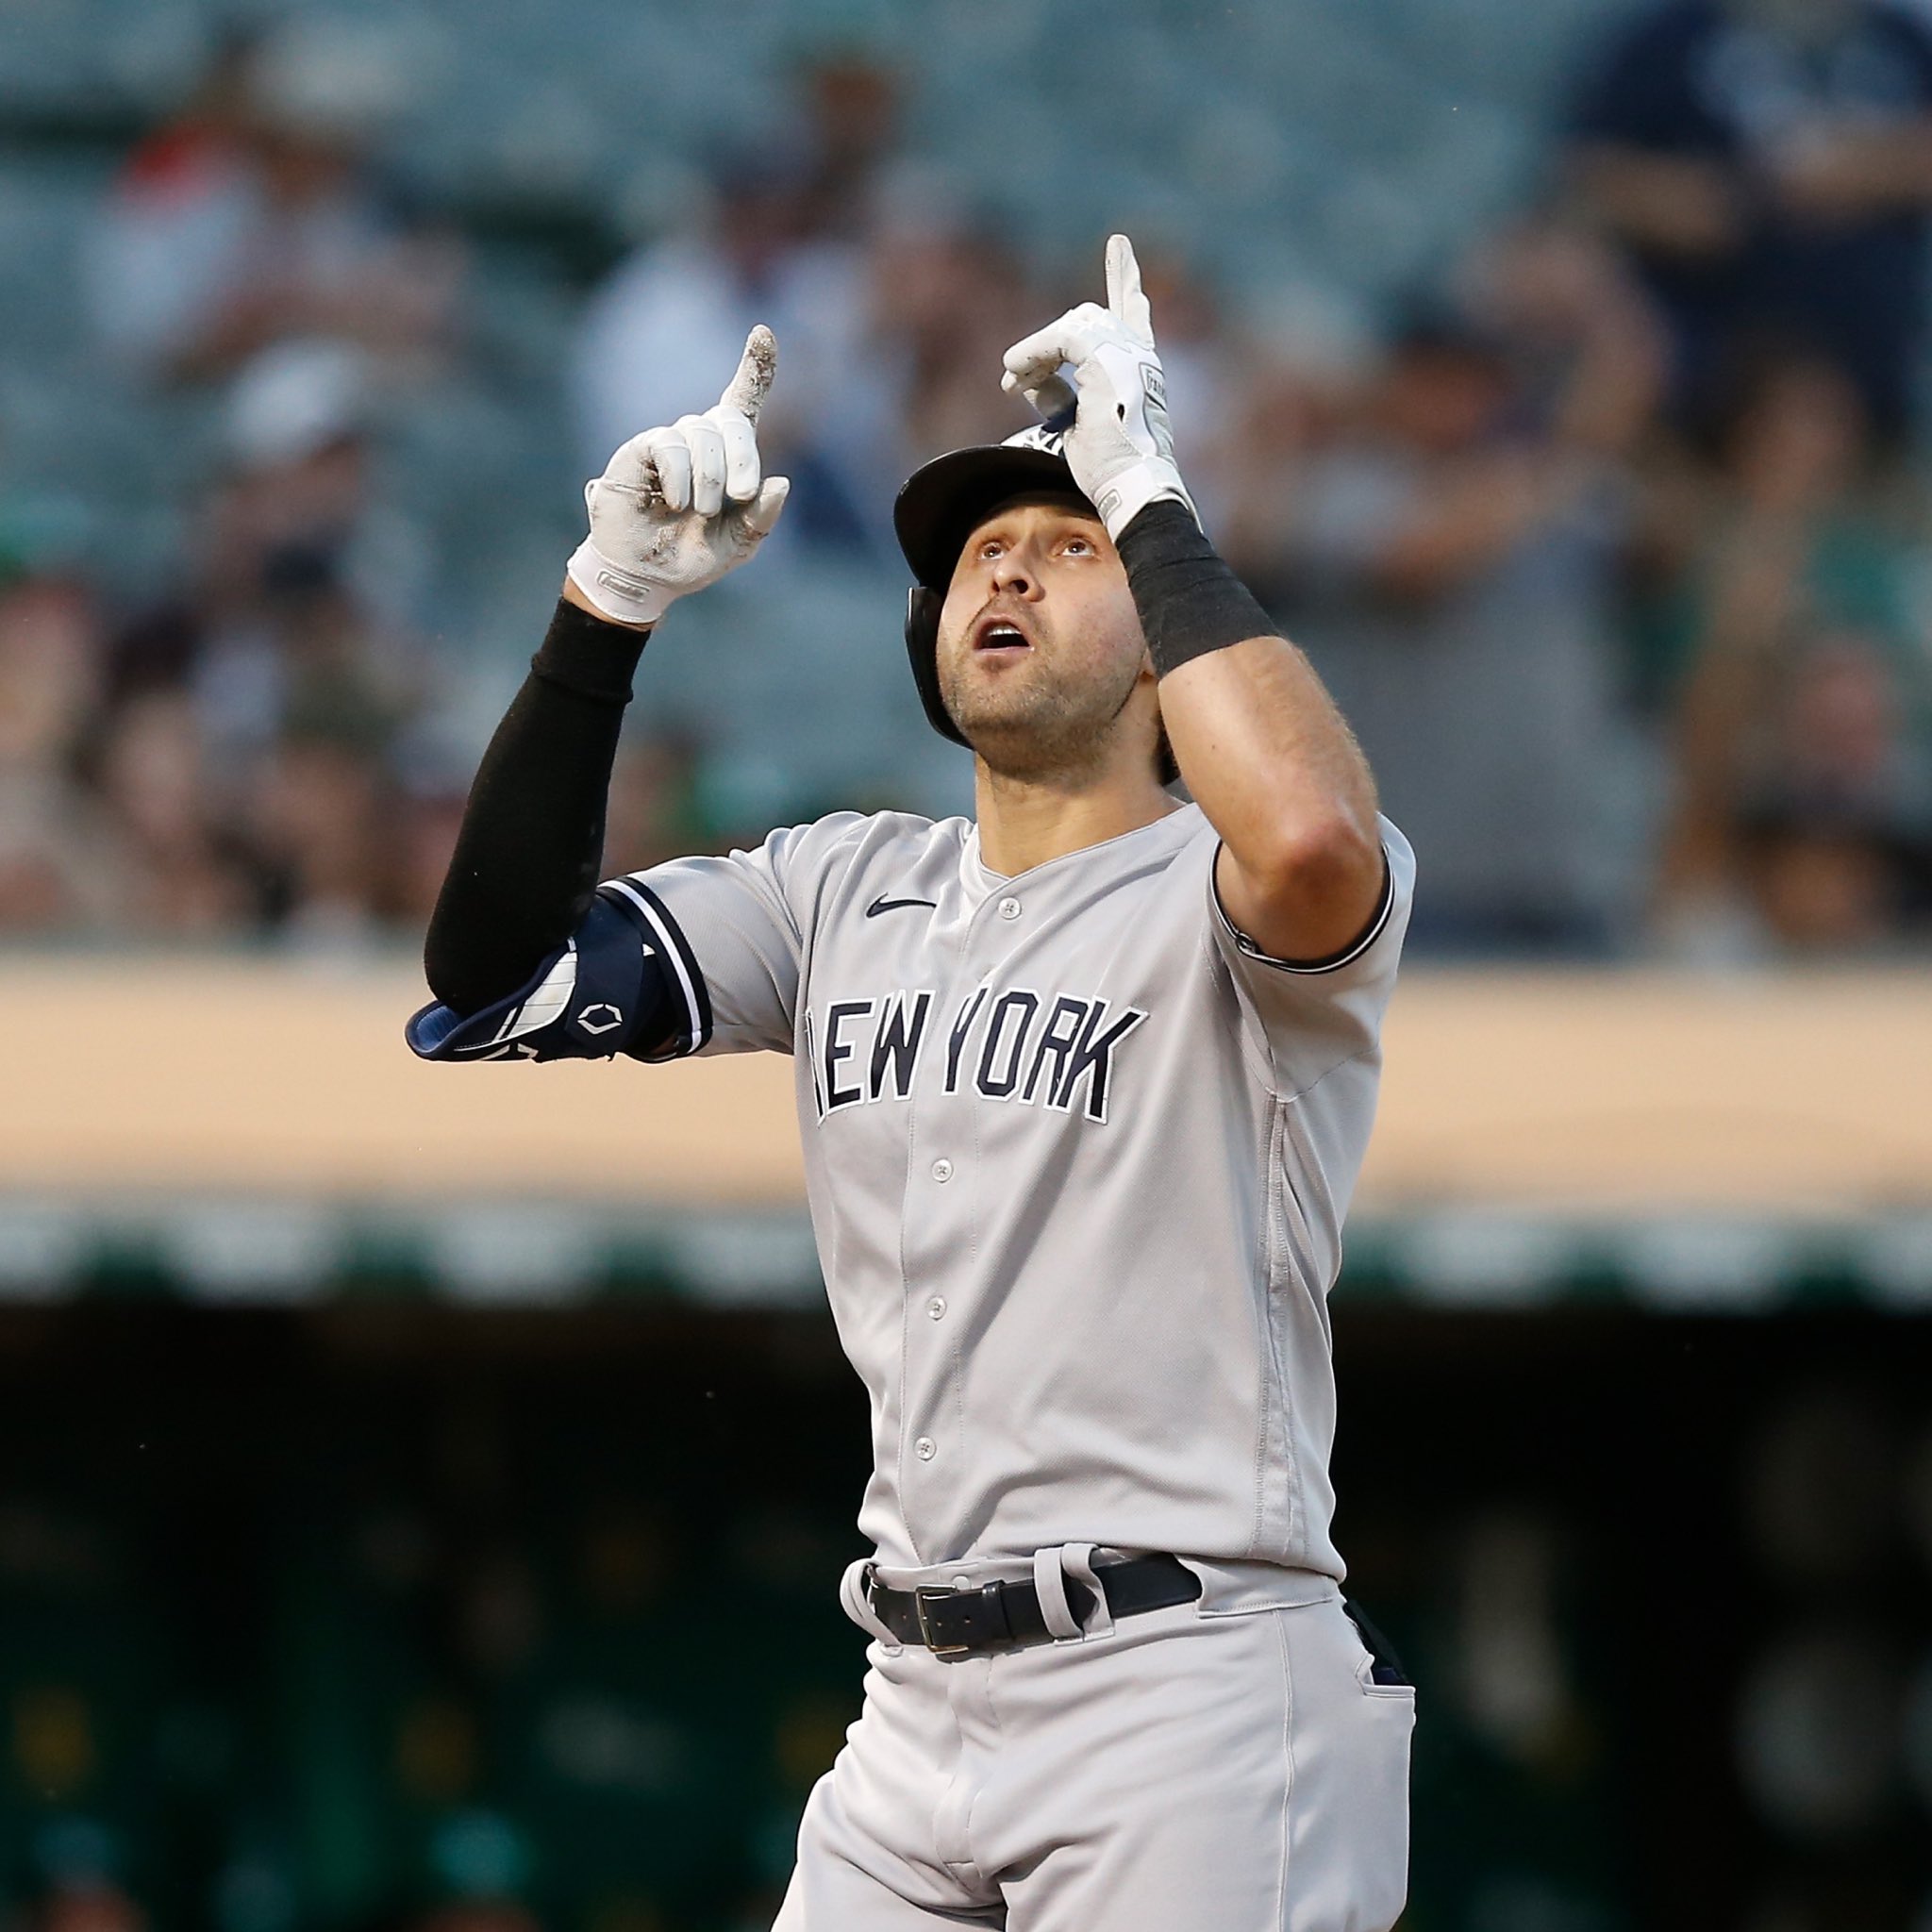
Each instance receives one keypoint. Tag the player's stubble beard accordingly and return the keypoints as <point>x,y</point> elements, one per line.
<point>1038,722</point>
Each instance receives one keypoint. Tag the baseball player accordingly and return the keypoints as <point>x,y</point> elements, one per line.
<point>1084,1086</point>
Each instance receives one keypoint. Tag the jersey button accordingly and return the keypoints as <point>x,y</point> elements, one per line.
<point>1010,908</point>
<point>936,1308</point>
<point>925,1448</point>
<point>943,1171</point>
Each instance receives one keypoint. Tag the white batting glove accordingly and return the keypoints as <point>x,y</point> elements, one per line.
<point>1119,448</point>
<point>679,507</point>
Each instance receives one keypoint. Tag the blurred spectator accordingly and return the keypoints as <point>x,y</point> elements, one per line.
<point>302,573</point>
<point>852,111</point>
<point>1205,363</point>
<point>53,875</point>
<point>948,297</point>
<point>1839,838</point>
<point>784,236</point>
<point>300,423</point>
<point>661,337</point>
<point>428,813</point>
<point>1803,797</point>
<point>178,873</point>
<point>1518,588</point>
<point>260,215</point>
<point>245,749</point>
<point>1769,165</point>
<point>1304,389</point>
<point>655,810</point>
<point>1452,559</point>
<point>322,835</point>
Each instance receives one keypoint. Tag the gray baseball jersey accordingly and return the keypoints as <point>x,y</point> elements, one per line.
<point>1078,1158</point>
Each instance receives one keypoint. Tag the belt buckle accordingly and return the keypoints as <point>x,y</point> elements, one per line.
<point>920,1598</point>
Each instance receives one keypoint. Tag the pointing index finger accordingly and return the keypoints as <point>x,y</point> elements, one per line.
<point>747,389</point>
<point>1125,295</point>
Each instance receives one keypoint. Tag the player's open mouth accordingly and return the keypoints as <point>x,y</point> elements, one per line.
<point>998,635</point>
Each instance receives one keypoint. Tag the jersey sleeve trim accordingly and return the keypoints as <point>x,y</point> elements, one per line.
<point>1335,961</point>
<point>685,969</point>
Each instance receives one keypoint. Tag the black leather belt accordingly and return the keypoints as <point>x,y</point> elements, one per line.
<point>952,1623</point>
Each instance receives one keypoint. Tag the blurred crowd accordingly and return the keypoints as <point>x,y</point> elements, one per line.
<point>1612,540</point>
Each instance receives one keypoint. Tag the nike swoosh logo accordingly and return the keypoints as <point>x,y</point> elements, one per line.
<point>879,905</point>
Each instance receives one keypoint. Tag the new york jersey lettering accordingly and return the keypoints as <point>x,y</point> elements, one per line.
<point>895,1046</point>
<point>1055,1051</point>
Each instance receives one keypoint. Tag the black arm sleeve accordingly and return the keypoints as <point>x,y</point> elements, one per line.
<point>527,861</point>
<point>1190,600</point>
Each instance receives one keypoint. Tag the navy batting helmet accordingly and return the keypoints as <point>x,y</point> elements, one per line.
<point>939,506</point>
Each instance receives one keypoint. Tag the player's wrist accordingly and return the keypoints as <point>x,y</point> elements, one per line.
<point>1121,497</point>
<point>573,595</point>
<point>614,593</point>
<point>1188,600</point>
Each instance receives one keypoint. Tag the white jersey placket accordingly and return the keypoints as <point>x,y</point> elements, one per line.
<point>941,1243</point>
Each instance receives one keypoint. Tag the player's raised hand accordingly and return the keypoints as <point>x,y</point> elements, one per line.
<point>1119,445</point>
<point>678,508</point>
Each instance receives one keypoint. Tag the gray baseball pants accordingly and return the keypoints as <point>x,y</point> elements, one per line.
<point>1182,1769</point>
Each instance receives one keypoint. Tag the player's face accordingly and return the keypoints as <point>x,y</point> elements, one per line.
<point>1042,658</point>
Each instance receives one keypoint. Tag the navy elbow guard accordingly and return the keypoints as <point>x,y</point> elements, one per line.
<point>607,991</point>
